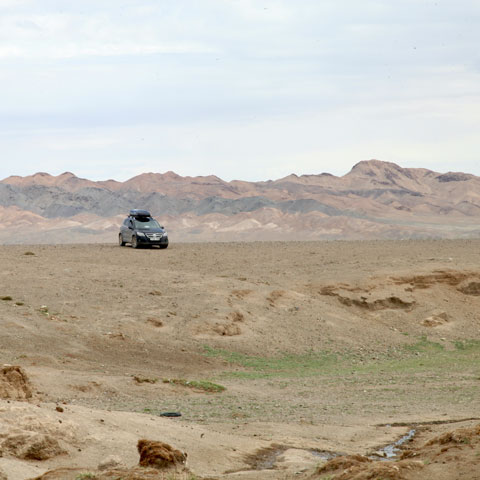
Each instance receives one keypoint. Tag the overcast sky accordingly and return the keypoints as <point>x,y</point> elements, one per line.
<point>246,89</point>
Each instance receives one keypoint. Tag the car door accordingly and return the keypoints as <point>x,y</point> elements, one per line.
<point>127,235</point>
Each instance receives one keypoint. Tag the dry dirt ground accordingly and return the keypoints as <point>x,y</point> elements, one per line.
<point>279,357</point>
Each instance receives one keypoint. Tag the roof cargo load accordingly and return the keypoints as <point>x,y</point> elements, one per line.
<point>139,213</point>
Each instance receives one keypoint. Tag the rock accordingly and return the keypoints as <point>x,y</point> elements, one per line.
<point>436,320</point>
<point>112,461</point>
<point>14,383</point>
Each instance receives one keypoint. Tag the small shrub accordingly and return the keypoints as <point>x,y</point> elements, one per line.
<point>6,298</point>
<point>139,379</point>
<point>29,253</point>
<point>85,476</point>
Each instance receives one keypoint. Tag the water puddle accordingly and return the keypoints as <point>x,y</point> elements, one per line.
<point>391,451</point>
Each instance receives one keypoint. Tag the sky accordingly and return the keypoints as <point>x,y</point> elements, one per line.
<point>243,89</point>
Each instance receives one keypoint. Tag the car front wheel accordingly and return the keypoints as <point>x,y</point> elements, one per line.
<point>134,242</point>
<point>120,240</point>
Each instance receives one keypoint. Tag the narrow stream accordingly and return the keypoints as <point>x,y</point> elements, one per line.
<point>391,451</point>
<point>267,458</point>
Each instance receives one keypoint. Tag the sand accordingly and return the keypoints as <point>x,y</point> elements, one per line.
<point>278,355</point>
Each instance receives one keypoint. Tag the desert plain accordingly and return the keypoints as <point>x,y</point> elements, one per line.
<point>284,359</point>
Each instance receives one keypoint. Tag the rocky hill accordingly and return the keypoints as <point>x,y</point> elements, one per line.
<point>374,200</point>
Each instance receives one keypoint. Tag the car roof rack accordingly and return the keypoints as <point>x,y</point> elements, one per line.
<point>139,213</point>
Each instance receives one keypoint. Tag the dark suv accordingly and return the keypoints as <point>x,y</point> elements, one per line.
<point>140,229</point>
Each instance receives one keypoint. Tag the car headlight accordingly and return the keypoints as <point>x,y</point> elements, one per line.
<point>140,234</point>
<point>165,234</point>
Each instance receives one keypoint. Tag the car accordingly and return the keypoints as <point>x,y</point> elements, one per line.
<point>141,229</point>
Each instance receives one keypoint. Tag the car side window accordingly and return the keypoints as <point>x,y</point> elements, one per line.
<point>125,222</point>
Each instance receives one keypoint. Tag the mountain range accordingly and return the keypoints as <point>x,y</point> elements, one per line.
<point>374,200</point>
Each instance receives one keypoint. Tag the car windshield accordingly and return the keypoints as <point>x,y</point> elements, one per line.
<point>145,223</point>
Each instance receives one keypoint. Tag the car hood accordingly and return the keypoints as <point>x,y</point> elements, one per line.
<point>151,230</point>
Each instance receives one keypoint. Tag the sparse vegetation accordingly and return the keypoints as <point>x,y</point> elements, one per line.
<point>202,385</point>
<point>6,298</point>
<point>308,364</point>
<point>85,476</point>
<point>421,357</point>
<point>29,253</point>
<point>140,379</point>
<point>425,346</point>
<point>19,304</point>
<point>467,345</point>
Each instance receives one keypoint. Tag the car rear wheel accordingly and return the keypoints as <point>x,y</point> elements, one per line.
<point>134,242</point>
<point>120,240</point>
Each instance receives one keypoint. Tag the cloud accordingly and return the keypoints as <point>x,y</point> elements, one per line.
<point>69,35</point>
<point>70,51</point>
<point>240,88</point>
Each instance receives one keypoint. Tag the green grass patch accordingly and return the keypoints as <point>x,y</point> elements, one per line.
<point>425,346</point>
<point>426,356</point>
<point>422,357</point>
<point>467,345</point>
<point>311,363</point>
<point>202,385</point>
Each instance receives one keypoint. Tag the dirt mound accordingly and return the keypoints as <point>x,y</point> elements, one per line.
<point>436,320</point>
<point>227,329</point>
<point>343,462</point>
<point>464,436</point>
<point>14,383</point>
<point>274,296</point>
<point>31,446</point>
<point>159,455</point>
<point>158,461</point>
<point>241,293</point>
<point>358,467</point>
<point>386,471</point>
<point>135,473</point>
<point>351,298</point>
<point>471,288</point>
<point>231,326</point>
<point>445,277</point>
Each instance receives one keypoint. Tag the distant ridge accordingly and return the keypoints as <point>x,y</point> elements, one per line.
<point>375,199</point>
